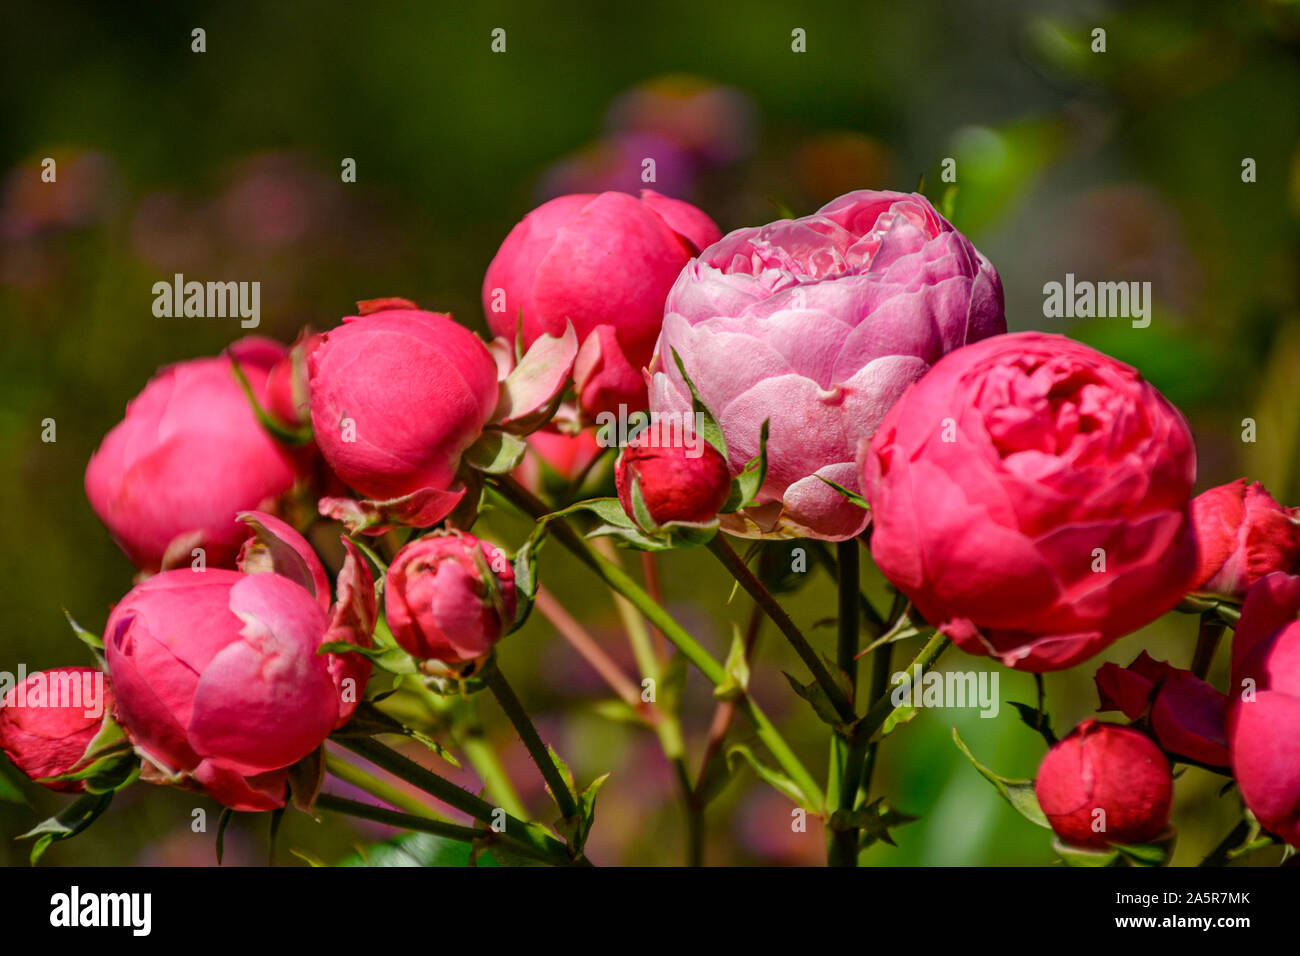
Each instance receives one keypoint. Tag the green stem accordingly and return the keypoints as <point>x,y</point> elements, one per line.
<point>379,789</point>
<point>1207,642</point>
<point>754,587</point>
<point>880,710</point>
<point>880,674</point>
<point>518,833</point>
<point>848,749</point>
<point>408,821</point>
<point>1236,836</point>
<point>483,757</point>
<point>691,649</point>
<point>510,703</point>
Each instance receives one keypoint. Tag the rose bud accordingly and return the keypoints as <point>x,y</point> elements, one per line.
<point>288,398</point>
<point>1264,716</point>
<point>1242,534</point>
<point>217,674</point>
<point>449,597</point>
<point>604,262</point>
<point>566,457</point>
<point>1185,714</point>
<point>1105,784</point>
<point>819,324</point>
<point>679,480</point>
<point>48,721</point>
<point>1007,510</point>
<point>397,395</point>
<point>187,457</point>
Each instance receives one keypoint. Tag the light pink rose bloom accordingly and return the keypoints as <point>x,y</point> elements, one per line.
<point>1264,716</point>
<point>1030,495</point>
<point>819,324</point>
<point>439,602</point>
<point>603,262</point>
<point>188,456</point>
<point>216,674</point>
<point>397,396</point>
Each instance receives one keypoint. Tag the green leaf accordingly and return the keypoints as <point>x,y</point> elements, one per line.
<point>417,849</point>
<point>1083,856</point>
<point>309,858</point>
<point>1036,721</point>
<point>746,485</point>
<point>875,820</point>
<point>608,510</point>
<point>617,710</point>
<point>773,777</point>
<point>90,639</point>
<point>276,428</point>
<point>709,428</point>
<point>897,717</point>
<point>525,568</point>
<point>1018,793</point>
<point>495,452</point>
<point>67,823</point>
<point>736,668</point>
<point>816,695</point>
<point>852,496</point>
<point>392,659</point>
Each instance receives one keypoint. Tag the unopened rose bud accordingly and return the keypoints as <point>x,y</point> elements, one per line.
<point>449,597</point>
<point>1242,534</point>
<point>679,480</point>
<point>1105,784</point>
<point>46,735</point>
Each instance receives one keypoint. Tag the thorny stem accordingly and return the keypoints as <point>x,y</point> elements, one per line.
<point>848,750</point>
<point>510,703</point>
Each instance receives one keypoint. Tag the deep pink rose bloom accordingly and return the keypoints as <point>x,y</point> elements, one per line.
<point>1105,784</point>
<point>217,677</point>
<point>1030,495</point>
<point>189,455</point>
<point>675,485</point>
<point>1242,534</point>
<point>819,324</point>
<point>397,395</point>
<point>439,602</point>
<point>604,262</point>
<point>47,736</point>
<point>1264,717</point>
<point>1186,715</point>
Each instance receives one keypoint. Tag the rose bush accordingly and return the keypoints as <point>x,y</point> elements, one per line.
<point>819,324</point>
<point>1030,495</point>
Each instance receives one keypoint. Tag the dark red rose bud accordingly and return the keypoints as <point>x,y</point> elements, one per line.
<point>680,479</point>
<point>1187,715</point>
<point>48,720</point>
<point>1105,784</point>
<point>1242,534</point>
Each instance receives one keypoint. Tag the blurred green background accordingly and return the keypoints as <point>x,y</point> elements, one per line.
<point>1125,164</point>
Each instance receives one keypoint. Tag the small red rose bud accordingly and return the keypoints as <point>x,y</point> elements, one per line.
<point>1105,784</point>
<point>680,480</point>
<point>439,603</point>
<point>47,722</point>
<point>1242,534</point>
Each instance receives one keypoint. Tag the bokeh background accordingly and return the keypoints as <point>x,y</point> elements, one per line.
<point>226,165</point>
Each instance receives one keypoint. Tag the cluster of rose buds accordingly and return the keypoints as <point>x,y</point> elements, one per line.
<point>817,377</point>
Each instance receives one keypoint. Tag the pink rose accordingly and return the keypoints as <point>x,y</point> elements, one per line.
<point>1185,714</point>
<point>675,484</point>
<point>1242,534</point>
<point>1105,784</point>
<point>47,736</point>
<point>1264,717</point>
<point>605,263</point>
<point>397,396</point>
<point>1030,495</point>
<point>217,677</point>
<point>187,457</point>
<point>449,597</point>
<point>819,324</point>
